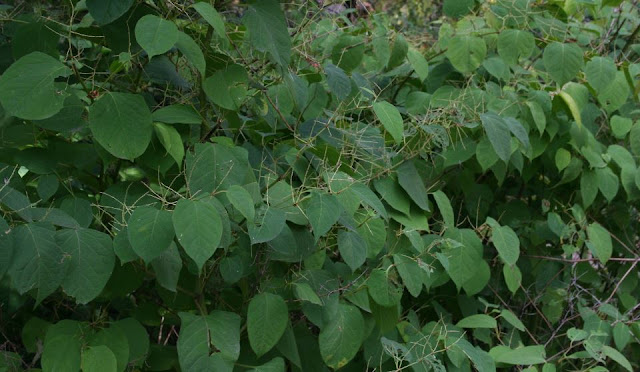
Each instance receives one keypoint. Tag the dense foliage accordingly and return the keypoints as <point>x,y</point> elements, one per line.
<point>261,187</point>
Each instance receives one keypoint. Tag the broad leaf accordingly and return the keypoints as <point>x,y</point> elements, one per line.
<point>515,44</point>
<point>498,133</point>
<point>562,61</point>
<point>99,359</point>
<point>198,228</point>
<point>27,87</point>
<point>267,319</point>
<point>342,337</point>
<point>242,201</point>
<point>323,211</point>
<point>39,263</point>
<point>156,35</point>
<point>211,15</point>
<point>601,72</point>
<point>390,118</point>
<point>599,242</point>
<point>91,259</point>
<point>107,11</point>
<point>268,30</point>
<point>121,123</point>
<point>150,232</point>
<point>353,249</point>
<point>466,53</point>
<point>171,140</point>
<point>477,321</point>
<point>209,343</point>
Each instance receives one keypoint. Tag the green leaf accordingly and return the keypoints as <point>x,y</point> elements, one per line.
<point>444,206</point>
<point>209,343</point>
<point>304,292</point>
<point>121,123</point>
<point>242,201</point>
<point>156,35</point>
<point>150,232</point>
<point>620,126</point>
<point>6,247</point>
<point>171,140</point>
<point>457,8</point>
<point>601,72</point>
<point>512,277</point>
<point>107,11</point>
<point>33,333</point>
<point>515,44</point>
<point>267,225</point>
<point>497,68</point>
<point>477,321</point>
<point>137,338</point>
<point>512,319</point>
<point>506,242</point>
<point>167,268</point>
<point>616,94</point>
<point>599,242</point>
<point>62,345</point>
<point>192,52</point>
<point>526,355</point>
<point>39,263</point>
<point>211,15</point>
<point>91,259</point>
<point>634,139</point>
<point>413,184</point>
<point>339,83</point>
<point>353,249</point>
<point>27,87</point>
<point>617,357</point>
<point>608,183</point>
<point>323,210</point>
<point>460,262</point>
<point>274,365</point>
<point>419,63</point>
<point>116,340</point>
<point>348,52</point>
<point>562,61</point>
<point>268,32</point>
<point>177,114</point>
<point>466,53</point>
<point>392,193</point>
<point>227,88</point>
<point>342,337</point>
<point>99,359</point>
<point>381,290</point>
<point>621,335</point>
<point>267,319</point>
<point>410,272</point>
<point>498,134</point>
<point>588,187</point>
<point>198,228</point>
<point>538,116</point>
<point>390,118</point>
<point>563,158</point>
<point>216,167</point>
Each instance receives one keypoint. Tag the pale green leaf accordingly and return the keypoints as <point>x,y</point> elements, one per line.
<point>444,206</point>
<point>498,134</point>
<point>601,72</point>
<point>98,359</point>
<point>466,53</point>
<point>171,140</point>
<point>477,321</point>
<point>390,118</point>
<point>211,15</point>
<point>599,242</point>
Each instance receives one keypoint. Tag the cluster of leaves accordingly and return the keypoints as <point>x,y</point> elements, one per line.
<point>195,188</point>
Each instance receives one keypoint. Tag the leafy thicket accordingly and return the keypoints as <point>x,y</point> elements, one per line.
<point>266,187</point>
